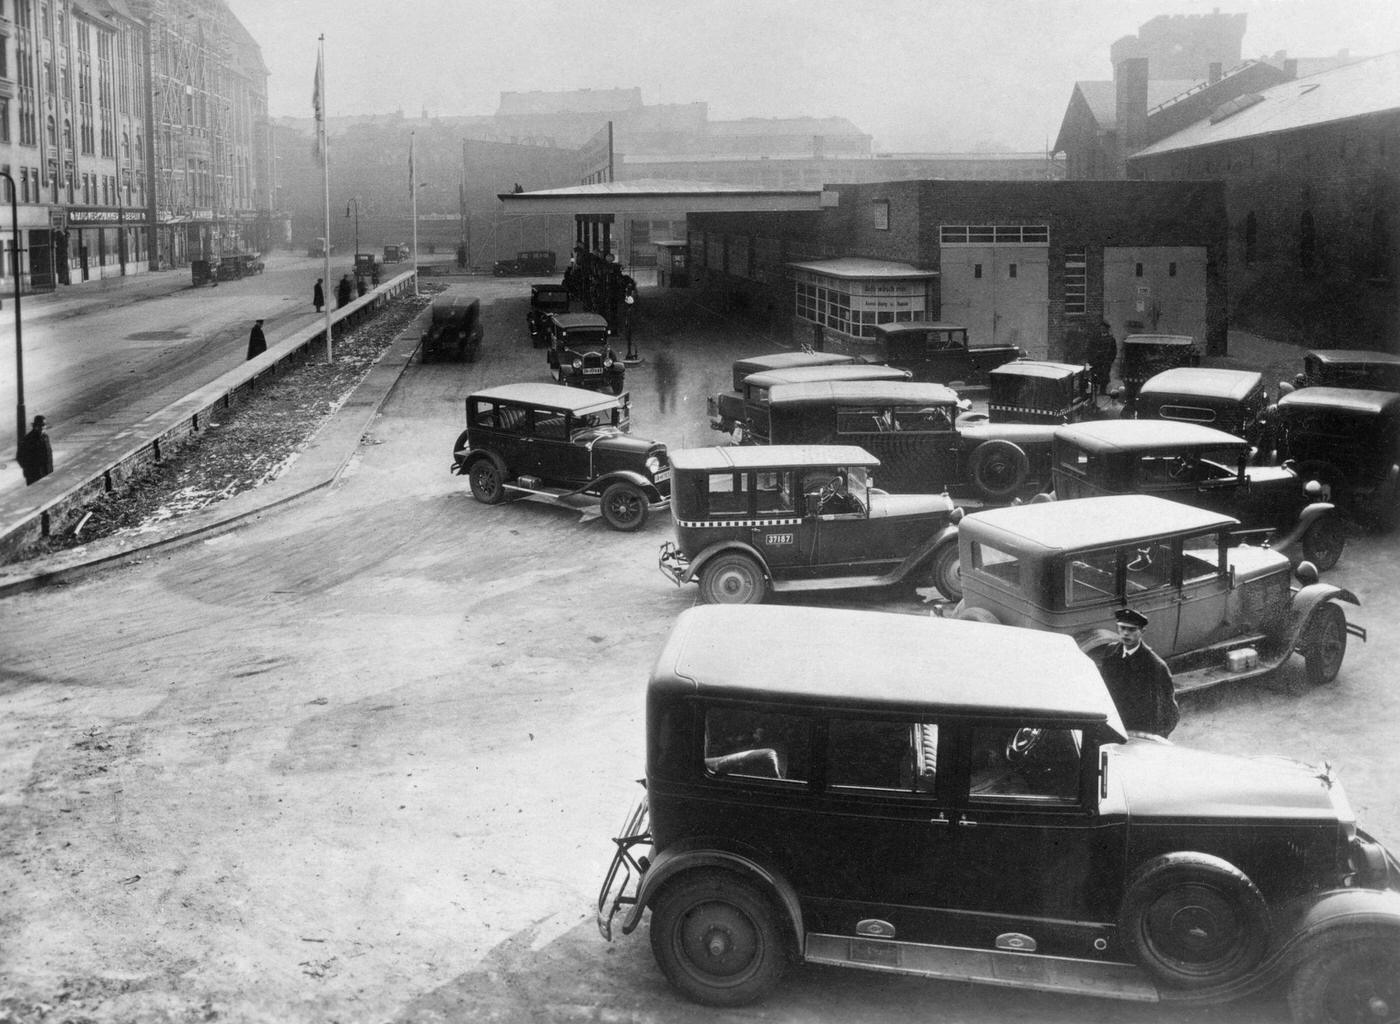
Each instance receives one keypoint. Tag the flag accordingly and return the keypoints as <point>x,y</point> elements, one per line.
<point>410,165</point>
<point>317,89</point>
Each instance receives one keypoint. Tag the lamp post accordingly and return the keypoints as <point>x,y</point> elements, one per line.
<point>19,347</point>
<point>355,201</point>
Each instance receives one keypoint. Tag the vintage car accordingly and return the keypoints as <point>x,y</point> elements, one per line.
<point>1143,356</point>
<point>565,446</point>
<point>786,518</point>
<point>1204,467</point>
<point>535,261</point>
<point>1040,391</point>
<point>1347,368</point>
<point>1234,401</point>
<point>958,800</point>
<point>1217,610</point>
<point>912,427</point>
<point>581,353</point>
<point>544,300</point>
<point>726,409</point>
<point>454,330</point>
<point>366,266</point>
<point>939,353</point>
<point>1349,439</point>
<point>394,253</point>
<point>751,426</point>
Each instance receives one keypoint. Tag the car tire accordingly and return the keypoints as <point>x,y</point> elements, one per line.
<point>1193,920</point>
<point>624,507</point>
<point>1324,643</point>
<point>943,571</point>
<point>998,469</point>
<point>1346,982</point>
<point>485,479</point>
<point>732,578</point>
<point>1324,541</point>
<point>717,939</point>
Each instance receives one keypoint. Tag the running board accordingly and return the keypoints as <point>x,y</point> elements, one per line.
<point>836,582</point>
<point>984,966</point>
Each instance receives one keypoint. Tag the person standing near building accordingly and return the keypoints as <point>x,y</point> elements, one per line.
<point>318,295</point>
<point>1103,351</point>
<point>35,454</point>
<point>257,343</point>
<point>1138,680</point>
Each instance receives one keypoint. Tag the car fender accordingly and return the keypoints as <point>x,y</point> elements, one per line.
<point>949,534</point>
<point>1311,513</point>
<point>719,547</point>
<point>462,463</point>
<point>690,855</point>
<point>602,483</point>
<point>1306,600</point>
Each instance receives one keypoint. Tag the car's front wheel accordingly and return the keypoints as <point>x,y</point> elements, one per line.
<point>1324,643</point>
<point>732,579</point>
<point>1356,981</point>
<point>625,507</point>
<point>717,940</point>
<point>998,469</point>
<point>485,479</point>
<point>1324,541</point>
<point>944,571</point>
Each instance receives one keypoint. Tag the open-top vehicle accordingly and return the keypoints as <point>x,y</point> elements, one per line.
<point>750,520</point>
<point>1217,610</point>
<point>566,446</point>
<point>1204,467</point>
<point>1234,401</point>
<point>961,801</point>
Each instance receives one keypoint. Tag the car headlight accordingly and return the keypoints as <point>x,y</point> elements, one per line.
<point>607,362</point>
<point>653,465</point>
<point>578,363</point>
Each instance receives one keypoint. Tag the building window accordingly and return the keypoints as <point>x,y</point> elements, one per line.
<point>854,306</point>
<point>1011,271</point>
<point>1171,269</point>
<point>994,234</point>
<point>881,212</point>
<point>4,119</point>
<point>1075,282</point>
<point>1137,271</point>
<point>977,271</point>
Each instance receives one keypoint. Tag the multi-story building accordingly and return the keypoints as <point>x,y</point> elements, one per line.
<point>135,133</point>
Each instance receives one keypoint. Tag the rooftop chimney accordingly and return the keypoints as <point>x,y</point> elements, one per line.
<point>1130,87</point>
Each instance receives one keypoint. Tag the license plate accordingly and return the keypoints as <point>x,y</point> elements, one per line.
<point>591,369</point>
<point>664,474</point>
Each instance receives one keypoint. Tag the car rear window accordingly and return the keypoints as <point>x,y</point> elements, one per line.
<point>757,744</point>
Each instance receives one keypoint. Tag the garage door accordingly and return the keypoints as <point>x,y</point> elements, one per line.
<point>1000,292</point>
<point>1155,290</point>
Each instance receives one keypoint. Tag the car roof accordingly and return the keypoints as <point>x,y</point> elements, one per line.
<point>1159,339</point>
<point>1353,355</point>
<point>889,392</point>
<point>779,360</point>
<point>905,326</point>
<point>1204,381</point>
<point>841,371</point>
<point>775,456</point>
<point>880,660</point>
<point>567,320</point>
<point>1048,527</point>
<point>1346,399</point>
<point>555,396</point>
<point>1145,435</point>
<point>1036,368</point>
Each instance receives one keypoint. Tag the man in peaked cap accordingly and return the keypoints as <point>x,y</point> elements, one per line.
<point>1138,680</point>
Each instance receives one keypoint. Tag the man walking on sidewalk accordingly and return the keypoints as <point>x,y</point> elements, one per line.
<point>318,295</point>
<point>35,455</point>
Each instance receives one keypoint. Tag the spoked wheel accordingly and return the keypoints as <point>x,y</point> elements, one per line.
<point>485,479</point>
<point>1324,643</point>
<point>624,507</point>
<point>732,579</point>
<point>944,571</point>
<point>1324,542</point>
<point>1357,982</point>
<point>716,939</point>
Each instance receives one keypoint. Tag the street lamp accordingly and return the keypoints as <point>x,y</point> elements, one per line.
<point>355,201</point>
<point>19,347</point>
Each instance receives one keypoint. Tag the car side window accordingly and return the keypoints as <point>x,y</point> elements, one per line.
<point>999,565</point>
<point>757,744</point>
<point>1202,559</point>
<point>925,420</point>
<point>1091,576</point>
<point>891,755</point>
<point>774,493</point>
<point>728,494</point>
<point>1025,764</point>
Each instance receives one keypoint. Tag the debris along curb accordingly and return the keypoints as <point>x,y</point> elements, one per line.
<point>319,465</point>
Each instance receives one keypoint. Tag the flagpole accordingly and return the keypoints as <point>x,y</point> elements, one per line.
<point>320,105</point>
<point>413,190</point>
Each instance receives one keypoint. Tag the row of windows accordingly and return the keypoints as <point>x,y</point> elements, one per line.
<point>994,234</point>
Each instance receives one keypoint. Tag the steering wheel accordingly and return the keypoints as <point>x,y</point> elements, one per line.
<point>1179,468</point>
<point>829,490</point>
<point>1142,561</point>
<point>1022,743</point>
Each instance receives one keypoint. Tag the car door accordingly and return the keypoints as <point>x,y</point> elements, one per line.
<point>777,527</point>
<point>545,449</point>
<point>1204,594</point>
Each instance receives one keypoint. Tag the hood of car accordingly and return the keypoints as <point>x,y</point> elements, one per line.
<point>1250,562</point>
<point>890,505</point>
<point>625,443</point>
<point>1164,780</point>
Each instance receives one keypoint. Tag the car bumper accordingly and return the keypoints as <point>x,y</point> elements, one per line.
<point>629,863</point>
<point>673,565</point>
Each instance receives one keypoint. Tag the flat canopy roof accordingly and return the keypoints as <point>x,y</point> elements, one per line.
<point>762,456</point>
<point>885,392</point>
<point>1052,527</point>
<point>917,326</point>
<point>1146,435</point>
<point>859,267</point>
<point>553,396</point>
<point>823,657</point>
<point>660,195</point>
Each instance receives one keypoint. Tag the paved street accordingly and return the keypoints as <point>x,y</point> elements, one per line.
<point>359,760</point>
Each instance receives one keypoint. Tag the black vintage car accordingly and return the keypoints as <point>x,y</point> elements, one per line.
<point>913,428</point>
<point>726,409</point>
<point>544,300</point>
<point>788,518</point>
<point>1347,368</point>
<point>565,446</point>
<point>454,330</point>
<point>939,353</point>
<point>539,262</point>
<point>1146,355</point>
<point>960,800</point>
<point>1040,391</point>
<point>752,426</point>
<point>1204,467</point>
<point>1234,401</point>
<point>1349,439</point>
<point>581,353</point>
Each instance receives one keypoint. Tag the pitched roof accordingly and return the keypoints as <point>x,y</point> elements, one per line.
<point>1102,97</point>
<point>1369,86</point>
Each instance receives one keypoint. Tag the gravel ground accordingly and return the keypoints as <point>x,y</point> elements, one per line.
<point>246,445</point>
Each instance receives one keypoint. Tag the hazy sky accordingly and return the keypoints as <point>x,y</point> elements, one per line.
<point>916,74</point>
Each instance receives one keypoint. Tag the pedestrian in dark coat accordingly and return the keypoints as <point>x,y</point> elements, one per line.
<point>1103,351</point>
<point>318,295</point>
<point>257,343</point>
<point>344,292</point>
<point>1139,681</point>
<point>35,454</point>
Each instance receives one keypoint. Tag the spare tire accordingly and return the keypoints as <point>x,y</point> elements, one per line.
<point>1193,920</point>
<point>998,469</point>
